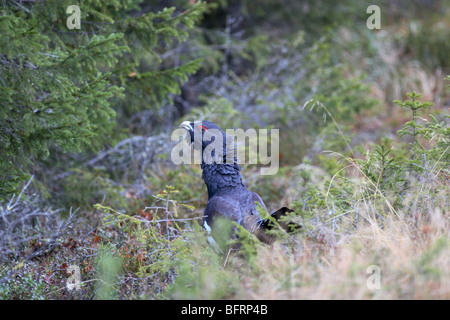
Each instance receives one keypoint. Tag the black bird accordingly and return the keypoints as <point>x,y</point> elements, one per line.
<point>228,197</point>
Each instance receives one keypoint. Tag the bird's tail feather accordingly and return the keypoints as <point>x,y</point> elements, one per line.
<point>268,224</point>
<point>263,231</point>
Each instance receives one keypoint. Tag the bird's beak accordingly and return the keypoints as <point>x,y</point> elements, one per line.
<point>186,125</point>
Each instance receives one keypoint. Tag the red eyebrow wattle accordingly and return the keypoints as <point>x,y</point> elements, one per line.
<point>203,127</point>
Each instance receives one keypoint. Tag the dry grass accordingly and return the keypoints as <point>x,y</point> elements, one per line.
<point>414,262</point>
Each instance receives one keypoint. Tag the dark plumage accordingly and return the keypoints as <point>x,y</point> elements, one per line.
<point>227,195</point>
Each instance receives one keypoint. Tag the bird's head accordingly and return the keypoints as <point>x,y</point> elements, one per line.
<point>205,134</point>
<point>202,133</point>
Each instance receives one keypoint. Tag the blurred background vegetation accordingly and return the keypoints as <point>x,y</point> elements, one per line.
<point>86,116</point>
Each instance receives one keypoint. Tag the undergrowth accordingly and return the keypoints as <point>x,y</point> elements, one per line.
<point>386,208</point>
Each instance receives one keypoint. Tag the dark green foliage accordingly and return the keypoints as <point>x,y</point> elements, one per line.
<point>86,187</point>
<point>424,264</point>
<point>412,127</point>
<point>392,176</point>
<point>387,172</point>
<point>428,41</point>
<point>201,272</point>
<point>61,88</point>
<point>109,269</point>
<point>434,132</point>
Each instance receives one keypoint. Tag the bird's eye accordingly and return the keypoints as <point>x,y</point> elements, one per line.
<point>203,128</point>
